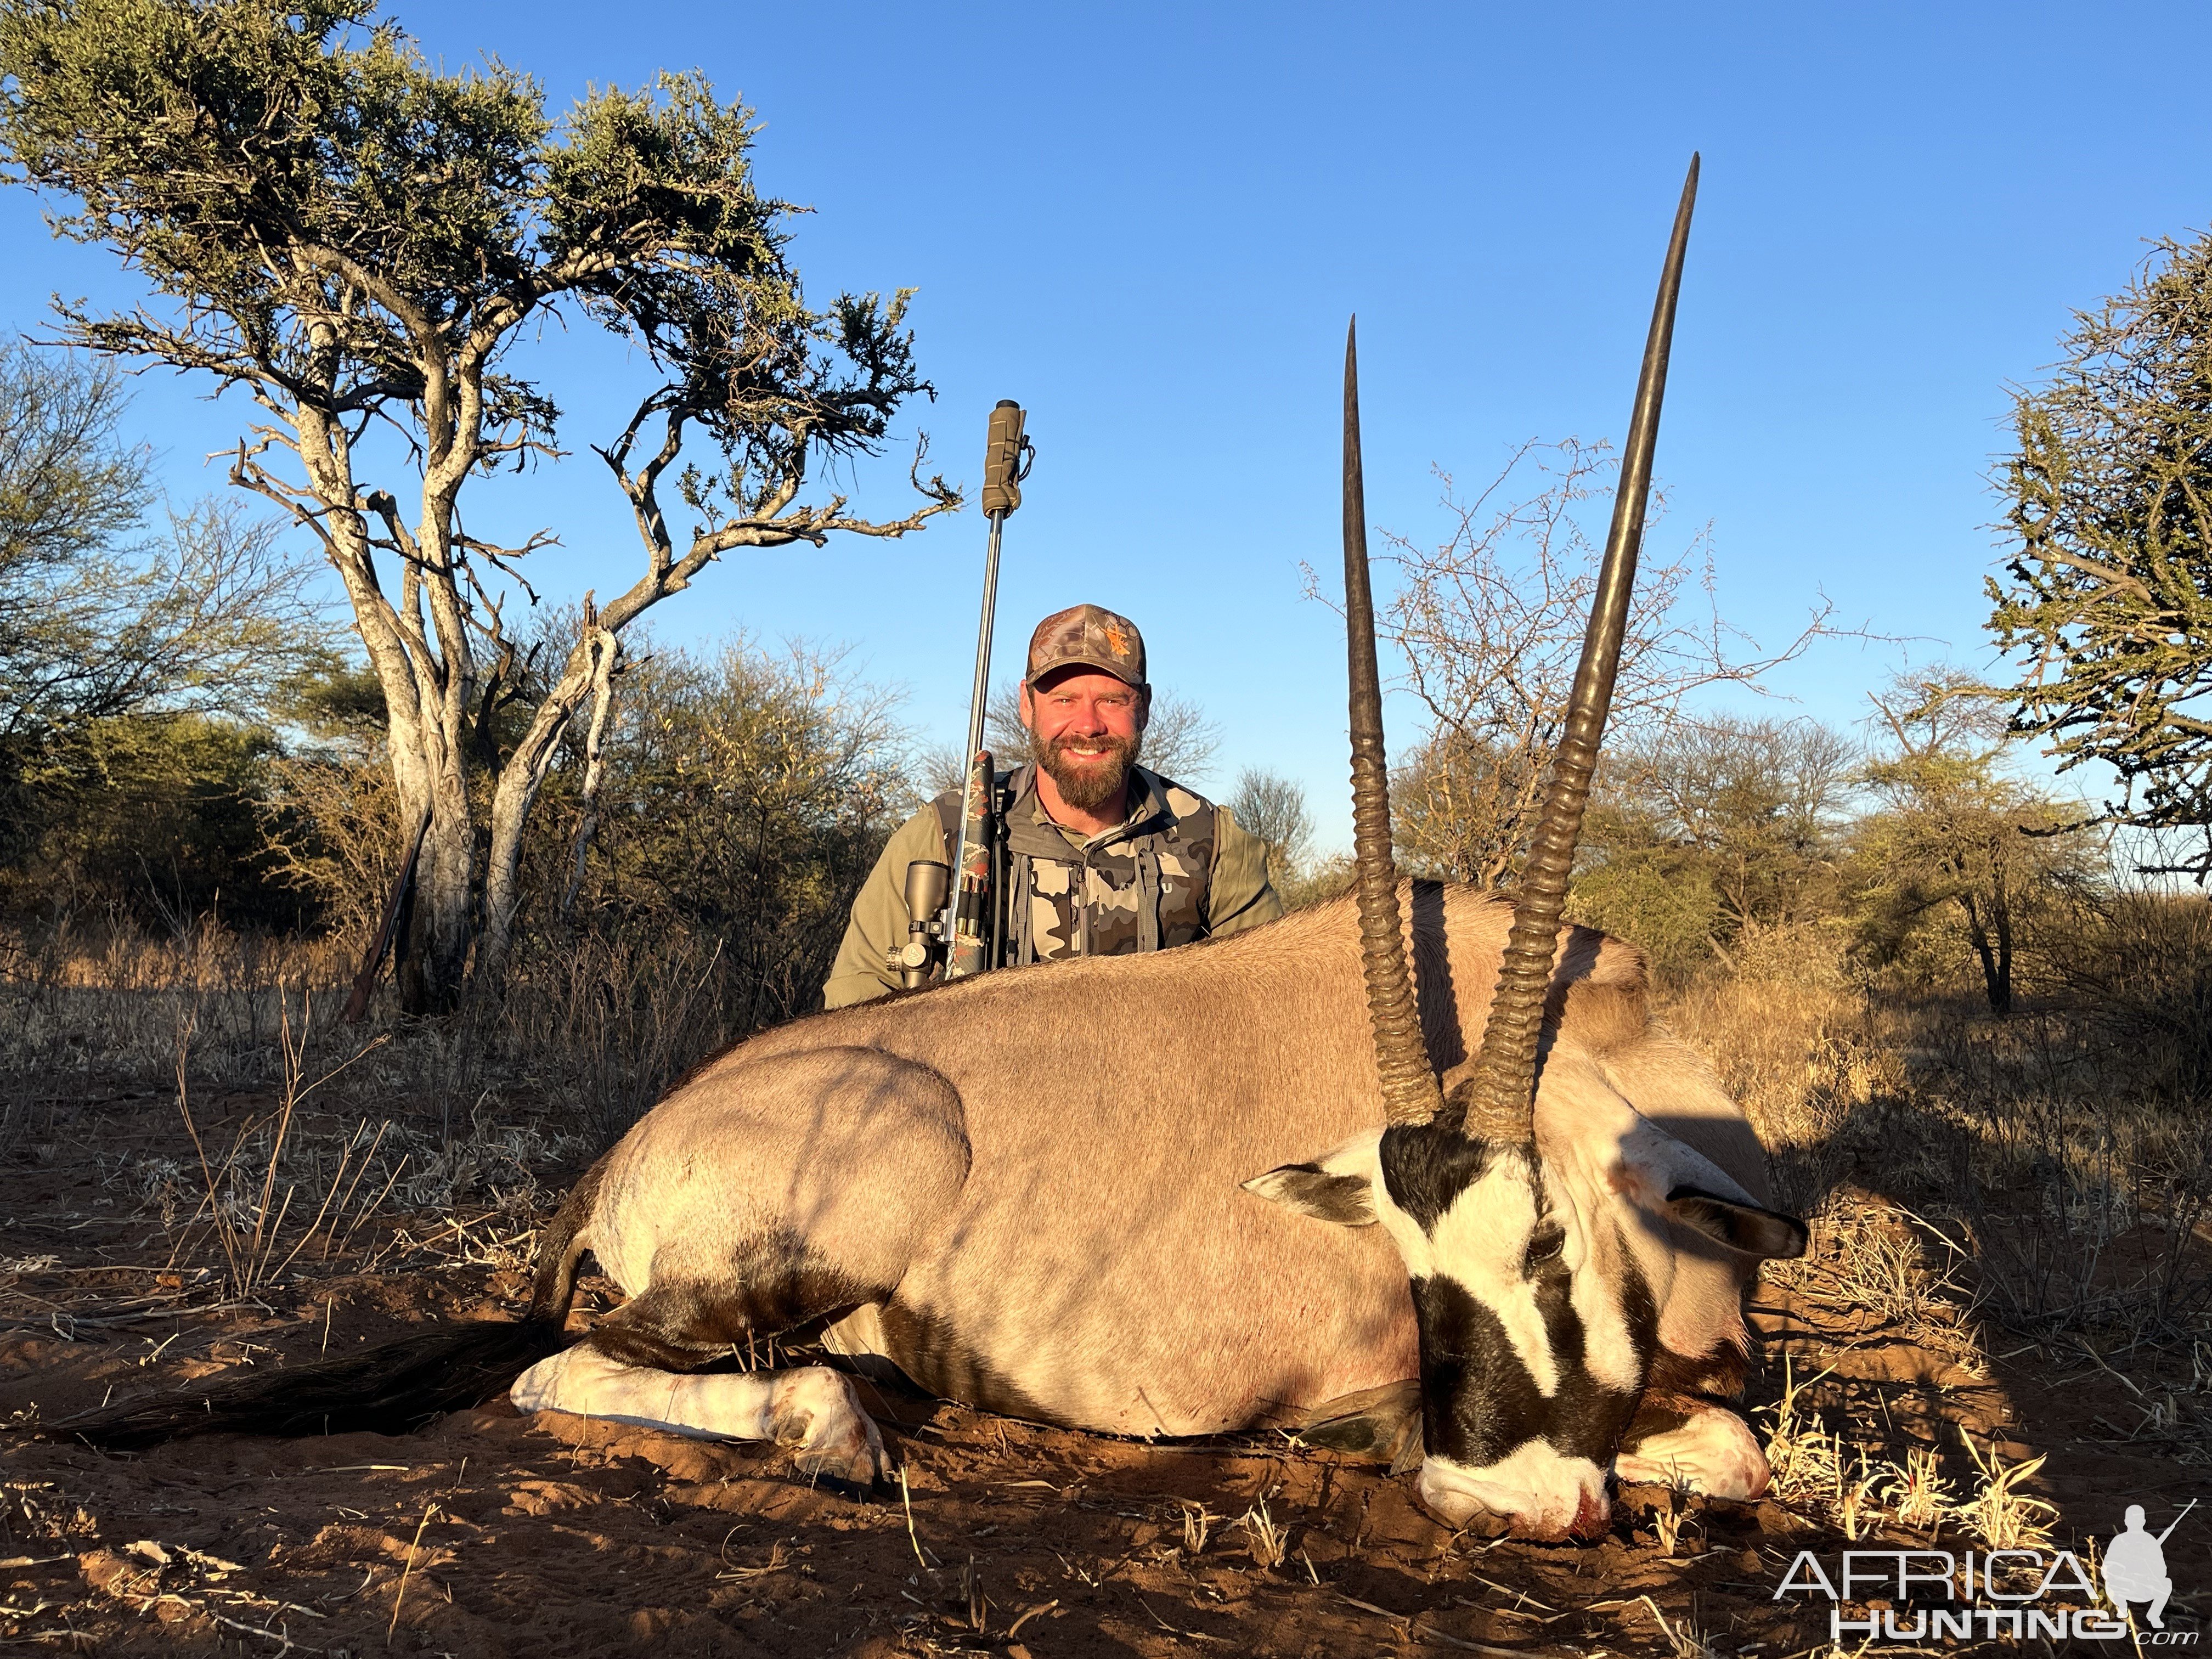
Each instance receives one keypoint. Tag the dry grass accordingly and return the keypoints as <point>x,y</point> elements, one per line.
<point>240,1199</point>
<point>1956,1167</point>
<point>1683,1638</point>
<point>1917,1495</point>
<point>1667,1518</point>
<point>309,1147</point>
<point>1806,1459</point>
<point>1268,1538</point>
<point>1802,1056</point>
<point>82,1011</point>
<point>590,1036</point>
<point>1837,1465</point>
<point>1974,1185</point>
<point>1198,1524</point>
<point>1999,1512</point>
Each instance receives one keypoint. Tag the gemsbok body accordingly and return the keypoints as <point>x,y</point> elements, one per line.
<point>1413,1146</point>
<point>1030,1193</point>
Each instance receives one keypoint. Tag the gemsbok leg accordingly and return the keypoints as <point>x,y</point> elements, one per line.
<point>812,1410</point>
<point>1687,1432</point>
<point>795,1193</point>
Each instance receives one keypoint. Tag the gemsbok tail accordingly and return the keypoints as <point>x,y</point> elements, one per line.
<point>394,1387</point>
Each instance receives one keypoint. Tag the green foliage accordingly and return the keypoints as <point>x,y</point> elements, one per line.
<point>1713,832</point>
<point>136,671</point>
<point>210,614</point>
<point>333,704</point>
<point>2108,606</point>
<point>159,816</point>
<point>746,798</point>
<point>1662,900</point>
<point>98,618</point>
<point>198,138</point>
<point>352,231</point>
<point>68,489</point>
<point>334,836</point>
<point>1958,855</point>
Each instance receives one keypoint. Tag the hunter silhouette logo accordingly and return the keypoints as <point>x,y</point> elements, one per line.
<point>2135,1565</point>
<point>2010,1595</point>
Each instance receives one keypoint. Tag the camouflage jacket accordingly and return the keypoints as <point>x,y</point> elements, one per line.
<point>1176,869</point>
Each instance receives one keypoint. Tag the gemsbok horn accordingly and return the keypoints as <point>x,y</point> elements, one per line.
<point>1496,1101</point>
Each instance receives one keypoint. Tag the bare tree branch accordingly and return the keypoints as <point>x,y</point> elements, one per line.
<point>1488,627</point>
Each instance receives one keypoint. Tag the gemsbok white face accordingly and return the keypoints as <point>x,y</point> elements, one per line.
<point>1536,1284</point>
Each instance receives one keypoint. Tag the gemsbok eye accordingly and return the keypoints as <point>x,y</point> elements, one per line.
<point>1544,1247</point>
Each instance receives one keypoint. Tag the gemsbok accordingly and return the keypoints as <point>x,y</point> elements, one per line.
<point>1251,1182</point>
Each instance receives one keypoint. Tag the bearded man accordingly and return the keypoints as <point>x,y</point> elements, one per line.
<point>1102,857</point>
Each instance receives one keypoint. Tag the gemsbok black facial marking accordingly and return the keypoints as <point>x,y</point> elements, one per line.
<point>1481,1399</point>
<point>1426,1166</point>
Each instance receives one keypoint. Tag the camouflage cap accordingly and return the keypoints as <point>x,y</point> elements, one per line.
<point>1088,636</point>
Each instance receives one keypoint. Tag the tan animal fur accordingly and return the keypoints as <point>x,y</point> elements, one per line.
<point>1030,1182</point>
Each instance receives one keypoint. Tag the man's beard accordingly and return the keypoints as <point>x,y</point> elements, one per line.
<point>1092,780</point>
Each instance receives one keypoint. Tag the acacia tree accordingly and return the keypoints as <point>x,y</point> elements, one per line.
<point>140,653</point>
<point>1727,828</point>
<point>109,606</point>
<point>2108,608</point>
<point>360,243</point>
<point>1489,625</point>
<point>754,793</point>
<point>1954,834</point>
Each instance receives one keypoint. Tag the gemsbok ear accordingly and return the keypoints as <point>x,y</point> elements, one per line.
<point>1347,1200</point>
<point>1740,1226</point>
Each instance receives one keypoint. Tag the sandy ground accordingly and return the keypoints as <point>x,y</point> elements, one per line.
<point>488,1534</point>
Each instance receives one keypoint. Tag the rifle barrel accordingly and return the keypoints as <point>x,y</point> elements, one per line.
<point>976,705</point>
<point>975,709</point>
<point>2176,1521</point>
<point>1003,468</point>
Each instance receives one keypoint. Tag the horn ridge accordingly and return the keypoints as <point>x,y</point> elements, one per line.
<point>1402,1059</point>
<point>1499,1093</point>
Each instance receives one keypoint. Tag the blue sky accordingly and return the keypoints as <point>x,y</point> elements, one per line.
<point>1148,224</point>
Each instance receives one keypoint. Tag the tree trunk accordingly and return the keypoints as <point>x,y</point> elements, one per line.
<point>434,955</point>
<point>519,781</point>
<point>431,954</point>
<point>1996,976</point>
<point>2001,915</point>
<point>510,816</point>
<point>603,699</point>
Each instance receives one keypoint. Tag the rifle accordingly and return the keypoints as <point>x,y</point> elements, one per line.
<point>968,935</point>
<point>364,982</point>
<point>2176,1521</point>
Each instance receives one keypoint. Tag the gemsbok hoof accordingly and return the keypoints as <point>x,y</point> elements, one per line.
<point>815,1413</point>
<point>1713,1453</point>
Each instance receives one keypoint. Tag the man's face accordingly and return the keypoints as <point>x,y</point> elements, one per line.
<point>1086,725</point>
